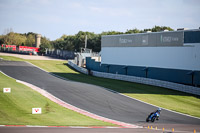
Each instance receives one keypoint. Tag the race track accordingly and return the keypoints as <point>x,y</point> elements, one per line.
<point>91,98</point>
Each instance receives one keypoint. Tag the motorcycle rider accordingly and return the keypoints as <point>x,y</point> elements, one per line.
<point>158,112</point>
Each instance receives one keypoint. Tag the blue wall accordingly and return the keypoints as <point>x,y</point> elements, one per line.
<point>197,77</point>
<point>191,36</point>
<point>136,71</point>
<point>172,75</point>
<point>117,69</point>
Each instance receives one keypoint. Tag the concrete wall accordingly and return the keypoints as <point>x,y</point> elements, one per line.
<point>80,69</point>
<point>186,57</point>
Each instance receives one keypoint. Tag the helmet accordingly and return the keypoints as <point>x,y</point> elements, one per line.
<point>159,109</point>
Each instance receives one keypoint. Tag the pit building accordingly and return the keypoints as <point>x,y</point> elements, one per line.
<point>171,56</point>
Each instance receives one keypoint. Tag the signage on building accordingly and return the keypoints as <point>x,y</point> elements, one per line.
<point>157,39</point>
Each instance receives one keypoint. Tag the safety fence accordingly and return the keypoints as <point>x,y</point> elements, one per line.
<point>64,54</point>
<point>141,80</point>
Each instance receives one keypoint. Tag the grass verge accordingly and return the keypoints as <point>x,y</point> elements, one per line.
<point>166,98</point>
<point>16,108</point>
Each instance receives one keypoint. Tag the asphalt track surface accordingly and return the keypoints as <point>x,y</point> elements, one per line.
<point>94,99</point>
<point>71,130</point>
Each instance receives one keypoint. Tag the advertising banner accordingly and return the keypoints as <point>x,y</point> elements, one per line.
<point>157,39</point>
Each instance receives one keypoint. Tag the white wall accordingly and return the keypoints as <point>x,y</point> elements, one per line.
<point>186,57</point>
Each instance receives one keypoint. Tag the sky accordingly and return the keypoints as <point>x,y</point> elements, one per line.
<point>54,18</point>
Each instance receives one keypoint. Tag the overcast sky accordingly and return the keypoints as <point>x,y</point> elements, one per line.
<point>53,18</point>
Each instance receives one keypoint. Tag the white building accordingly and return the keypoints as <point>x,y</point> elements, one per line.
<point>172,49</point>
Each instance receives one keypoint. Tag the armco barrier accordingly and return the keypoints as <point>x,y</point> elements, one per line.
<point>80,69</point>
<point>142,80</point>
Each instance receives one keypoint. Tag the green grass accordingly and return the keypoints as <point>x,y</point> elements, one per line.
<point>165,98</point>
<point>16,108</point>
<point>12,58</point>
<point>170,99</point>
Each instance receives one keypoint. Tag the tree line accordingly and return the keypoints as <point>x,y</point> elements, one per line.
<point>70,42</point>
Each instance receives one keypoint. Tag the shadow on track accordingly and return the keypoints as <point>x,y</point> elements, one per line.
<point>120,86</point>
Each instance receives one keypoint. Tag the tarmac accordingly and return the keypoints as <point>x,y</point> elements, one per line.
<point>73,130</point>
<point>30,57</point>
<point>97,100</point>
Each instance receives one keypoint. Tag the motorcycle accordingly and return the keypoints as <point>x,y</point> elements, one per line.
<point>152,117</point>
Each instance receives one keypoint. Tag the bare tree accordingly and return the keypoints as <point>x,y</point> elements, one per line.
<point>7,31</point>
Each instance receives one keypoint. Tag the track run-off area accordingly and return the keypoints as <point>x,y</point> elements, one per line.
<point>97,100</point>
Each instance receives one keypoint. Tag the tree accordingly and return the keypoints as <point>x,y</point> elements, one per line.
<point>72,42</point>
<point>19,39</point>
<point>94,42</point>
<point>42,49</point>
<point>7,31</point>
<point>1,39</point>
<point>8,39</point>
<point>79,41</point>
<point>30,40</point>
<point>159,28</point>
<point>13,39</point>
<point>69,43</point>
<point>133,31</point>
<point>45,43</point>
<point>112,33</point>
